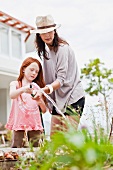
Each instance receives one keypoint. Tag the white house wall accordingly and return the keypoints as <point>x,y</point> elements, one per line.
<point>3,105</point>
<point>9,70</point>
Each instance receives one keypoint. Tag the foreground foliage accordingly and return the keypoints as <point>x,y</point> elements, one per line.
<point>72,150</point>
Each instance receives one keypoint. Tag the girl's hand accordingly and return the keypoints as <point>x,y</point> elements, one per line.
<point>14,92</point>
<point>41,103</point>
<point>39,98</point>
<point>37,95</point>
<point>27,89</point>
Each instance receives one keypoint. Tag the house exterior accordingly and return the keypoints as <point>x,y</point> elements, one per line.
<point>15,44</point>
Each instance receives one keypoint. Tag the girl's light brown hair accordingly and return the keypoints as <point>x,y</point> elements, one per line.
<point>38,80</point>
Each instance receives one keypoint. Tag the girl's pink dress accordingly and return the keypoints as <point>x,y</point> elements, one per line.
<point>25,113</point>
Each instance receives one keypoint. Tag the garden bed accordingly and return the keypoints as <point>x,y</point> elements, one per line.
<point>7,163</point>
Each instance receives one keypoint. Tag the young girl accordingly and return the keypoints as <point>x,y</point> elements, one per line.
<point>25,112</point>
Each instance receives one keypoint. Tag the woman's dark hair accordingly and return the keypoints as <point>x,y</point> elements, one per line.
<point>40,44</point>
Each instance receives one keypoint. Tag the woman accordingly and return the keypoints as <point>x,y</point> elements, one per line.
<point>60,69</point>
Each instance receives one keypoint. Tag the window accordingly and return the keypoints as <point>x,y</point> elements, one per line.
<point>10,42</point>
<point>16,45</point>
<point>4,43</point>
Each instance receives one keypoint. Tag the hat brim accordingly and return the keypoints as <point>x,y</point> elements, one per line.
<point>45,30</point>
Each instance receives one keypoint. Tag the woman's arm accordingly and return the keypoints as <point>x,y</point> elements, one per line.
<point>55,85</point>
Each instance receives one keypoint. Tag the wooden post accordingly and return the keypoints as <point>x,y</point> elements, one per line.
<point>111,132</point>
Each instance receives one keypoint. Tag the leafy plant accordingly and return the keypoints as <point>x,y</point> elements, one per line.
<point>99,81</point>
<point>71,150</point>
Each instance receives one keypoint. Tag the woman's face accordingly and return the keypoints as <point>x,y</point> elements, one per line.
<point>31,71</point>
<point>48,37</point>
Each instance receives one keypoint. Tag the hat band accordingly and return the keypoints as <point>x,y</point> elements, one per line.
<point>49,26</point>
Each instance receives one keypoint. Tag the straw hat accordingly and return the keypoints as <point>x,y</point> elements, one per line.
<point>44,24</point>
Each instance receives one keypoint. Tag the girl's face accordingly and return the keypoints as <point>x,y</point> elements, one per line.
<point>48,37</point>
<point>31,71</point>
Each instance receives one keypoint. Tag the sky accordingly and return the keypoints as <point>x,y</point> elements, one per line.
<point>86,24</point>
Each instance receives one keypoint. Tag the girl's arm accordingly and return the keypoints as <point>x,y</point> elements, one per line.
<point>14,92</point>
<point>41,104</point>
